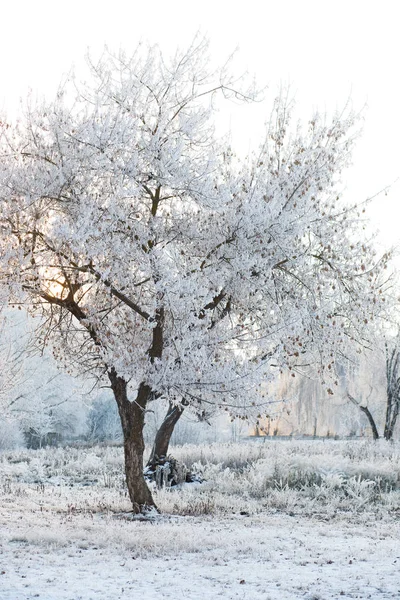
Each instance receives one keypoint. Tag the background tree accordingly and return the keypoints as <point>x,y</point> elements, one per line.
<point>392,355</point>
<point>37,400</point>
<point>10,376</point>
<point>162,261</point>
<point>103,421</point>
<point>383,380</point>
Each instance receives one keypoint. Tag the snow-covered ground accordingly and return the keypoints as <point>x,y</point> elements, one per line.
<point>64,537</point>
<point>258,557</point>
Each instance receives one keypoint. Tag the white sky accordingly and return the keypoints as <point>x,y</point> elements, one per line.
<point>328,50</point>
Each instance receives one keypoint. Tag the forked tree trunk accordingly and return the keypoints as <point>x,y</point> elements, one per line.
<point>164,433</point>
<point>132,421</point>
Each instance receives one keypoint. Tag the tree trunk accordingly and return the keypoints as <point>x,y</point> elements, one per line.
<point>132,421</point>
<point>392,413</point>
<point>368,414</point>
<point>371,420</point>
<point>392,390</point>
<point>164,433</point>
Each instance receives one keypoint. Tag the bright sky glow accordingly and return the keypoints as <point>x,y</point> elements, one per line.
<point>329,51</point>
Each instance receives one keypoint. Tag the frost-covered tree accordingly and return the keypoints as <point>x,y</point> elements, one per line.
<point>162,261</point>
<point>379,374</point>
<point>36,398</point>
<point>49,404</point>
<point>301,406</point>
<point>392,362</point>
<point>10,377</point>
<point>103,423</point>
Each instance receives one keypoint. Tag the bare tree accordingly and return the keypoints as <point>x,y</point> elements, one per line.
<point>364,409</point>
<point>389,365</point>
<point>392,388</point>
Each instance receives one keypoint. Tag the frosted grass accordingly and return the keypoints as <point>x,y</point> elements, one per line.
<point>297,476</point>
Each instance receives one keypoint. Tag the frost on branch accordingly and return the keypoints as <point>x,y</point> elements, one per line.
<point>158,256</point>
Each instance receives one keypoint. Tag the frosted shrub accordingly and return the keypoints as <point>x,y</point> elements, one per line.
<point>362,491</point>
<point>309,475</point>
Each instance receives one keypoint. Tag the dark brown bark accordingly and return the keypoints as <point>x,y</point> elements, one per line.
<point>132,421</point>
<point>392,391</point>
<point>389,429</point>
<point>371,420</point>
<point>368,414</point>
<point>390,421</point>
<point>164,433</point>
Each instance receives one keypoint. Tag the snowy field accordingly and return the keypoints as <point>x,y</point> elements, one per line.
<point>273,520</point>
